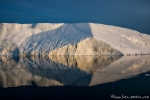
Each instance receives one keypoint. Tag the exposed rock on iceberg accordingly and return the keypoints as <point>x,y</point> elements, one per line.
<point>89,46</point>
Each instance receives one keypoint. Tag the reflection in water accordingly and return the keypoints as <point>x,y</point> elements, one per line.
<point>125,67</point>
<point>69,70</point>
<point>85,63</point>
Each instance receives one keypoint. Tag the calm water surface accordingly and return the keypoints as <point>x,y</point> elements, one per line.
<point>74,76</point>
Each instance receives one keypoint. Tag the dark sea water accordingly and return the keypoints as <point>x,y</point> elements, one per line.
<point>90,77</point>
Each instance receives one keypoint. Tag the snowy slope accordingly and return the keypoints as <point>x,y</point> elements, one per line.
<point>122,39</point>
<point>44,38</point>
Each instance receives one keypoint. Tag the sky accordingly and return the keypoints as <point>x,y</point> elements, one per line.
<point>133,14</point>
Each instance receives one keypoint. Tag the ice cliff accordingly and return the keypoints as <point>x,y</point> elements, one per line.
<point>70,39</point>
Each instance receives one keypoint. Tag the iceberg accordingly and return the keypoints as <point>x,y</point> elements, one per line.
<point>71,39</point>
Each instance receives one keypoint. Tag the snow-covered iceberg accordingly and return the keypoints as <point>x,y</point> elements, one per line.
<point>71,39</point>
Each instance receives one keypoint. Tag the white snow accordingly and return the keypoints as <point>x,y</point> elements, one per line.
<point>122,39</point>
<point>42,38</point>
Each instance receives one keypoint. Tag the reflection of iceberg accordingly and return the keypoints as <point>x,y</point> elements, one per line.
<point>107,68</point>
<point>40,71</point>
<point>86,63</point>
<point>69,70</point>
<point>125,67</point>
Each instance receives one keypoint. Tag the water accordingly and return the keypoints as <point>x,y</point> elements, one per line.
<point>74,76</point>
